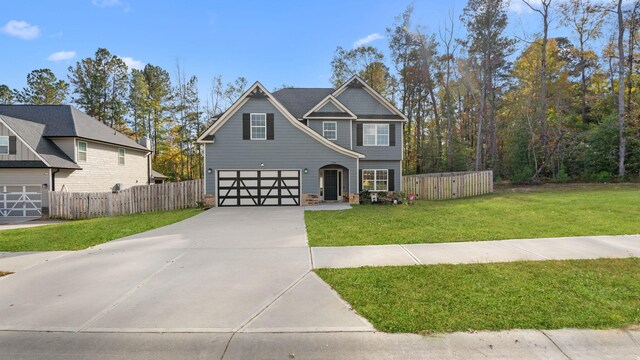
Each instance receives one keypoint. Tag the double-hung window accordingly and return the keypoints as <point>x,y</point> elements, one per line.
<point>375,180</point>
<point>330,130</point>
<point>4,145</point>
<point>376,134</point>
<point>259,126</point>
<point>82,151</point>
<point>121,153</point>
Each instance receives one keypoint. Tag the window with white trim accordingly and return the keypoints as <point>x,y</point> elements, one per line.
<point>4,145</point>
<point>121,153</point>
<point>375,180</point>
<point>259,126</point>
<point>82,151</point>
<point>330,130</point>
<point>375,135</point>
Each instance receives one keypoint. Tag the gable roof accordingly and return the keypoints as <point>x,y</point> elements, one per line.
<point>356,80</point>
<point>300,100</point>
<point>344,113</point>
<point>259,91</point>
<point>66,121</point>
<point>32,134</point>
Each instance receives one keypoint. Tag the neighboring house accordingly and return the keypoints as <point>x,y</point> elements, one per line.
<point>59,148</point>
<point>301,146</point>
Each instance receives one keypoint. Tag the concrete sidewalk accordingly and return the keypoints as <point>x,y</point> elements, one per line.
<point>515,344</point>
<point>588,247</point>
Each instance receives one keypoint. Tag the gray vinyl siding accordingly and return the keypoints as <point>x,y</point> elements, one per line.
<point>379,152</point>
<point>22,151</point>
<point>329,107</point>
<point>68,146</point>
<point>290,149</point>
<point>360,102</point>
<point>377,165</point>
<point>344,131</point>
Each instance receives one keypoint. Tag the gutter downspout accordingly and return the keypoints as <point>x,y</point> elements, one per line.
<point>53,179</point>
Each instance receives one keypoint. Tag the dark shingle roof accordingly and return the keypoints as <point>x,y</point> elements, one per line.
<point>300,100</point>
<point>66,121</point>
<point>33,134</point>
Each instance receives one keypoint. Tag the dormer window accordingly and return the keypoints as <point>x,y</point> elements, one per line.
<point>330,130</point>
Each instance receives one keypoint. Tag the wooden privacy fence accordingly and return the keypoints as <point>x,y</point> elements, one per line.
<point>440,186</point>
<point>137,199</point>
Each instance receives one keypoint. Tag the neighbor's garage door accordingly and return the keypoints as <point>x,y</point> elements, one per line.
<point>258,188</point>
<point>20,200</point>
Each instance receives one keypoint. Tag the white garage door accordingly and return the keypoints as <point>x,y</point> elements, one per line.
<point>258,188</point>
<point>20,200</point>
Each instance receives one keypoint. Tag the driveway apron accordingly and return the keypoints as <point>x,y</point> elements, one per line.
<point>226,270</point>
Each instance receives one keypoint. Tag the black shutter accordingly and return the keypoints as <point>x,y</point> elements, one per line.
<point>392,134</point>
<point>269,126</point>
<point>359,134</point>
<point>12,145</point>
<point>391,180</point>
<point>360,181</point>
<point>246,126</point>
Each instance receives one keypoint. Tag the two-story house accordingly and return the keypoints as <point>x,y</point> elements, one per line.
<point>59,148</point>
<point>301,146</point>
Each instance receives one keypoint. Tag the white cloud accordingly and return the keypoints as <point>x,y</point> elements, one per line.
<point>62,55</point>
<point>367,39</point>
<point>111,3</point>
<point>21,29</point>
<point>133,63</point>
<point>106,3</point>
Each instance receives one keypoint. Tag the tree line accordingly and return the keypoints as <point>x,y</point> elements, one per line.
<point>535,108</point>
<point>140,103</point>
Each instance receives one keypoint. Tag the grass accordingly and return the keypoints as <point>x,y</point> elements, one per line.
<point>522,295</point>
<point>81,234</point>
<point>546,211</point>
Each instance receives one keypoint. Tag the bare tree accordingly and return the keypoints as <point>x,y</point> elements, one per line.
<point>583,17</point>
<point>621,115</point>
<point>545,5</point>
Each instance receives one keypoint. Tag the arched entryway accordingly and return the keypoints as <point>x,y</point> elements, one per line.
<point>333,181</point>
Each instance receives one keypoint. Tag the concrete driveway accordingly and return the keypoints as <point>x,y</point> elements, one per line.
<point>226,270</point>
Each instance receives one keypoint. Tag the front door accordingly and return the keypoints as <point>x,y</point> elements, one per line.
<point>331,184</point>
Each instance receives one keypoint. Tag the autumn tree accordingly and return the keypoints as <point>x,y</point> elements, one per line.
<point>158,101</point>
<point>364,61</point>
<point>43,88</point>
<point>138,103</point>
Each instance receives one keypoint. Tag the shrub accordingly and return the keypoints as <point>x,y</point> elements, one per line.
<point>522,176</point>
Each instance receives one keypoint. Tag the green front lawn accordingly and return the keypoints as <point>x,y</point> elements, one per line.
<point>522,295</point>
<point>81,234</point>
<point>556,211</point>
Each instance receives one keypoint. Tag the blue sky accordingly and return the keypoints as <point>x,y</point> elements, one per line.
<point>275,42</point>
